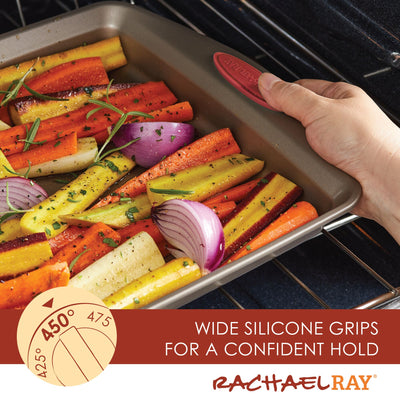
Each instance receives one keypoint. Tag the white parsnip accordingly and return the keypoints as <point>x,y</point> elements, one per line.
<point>125,263</point>
<point>83,158</point>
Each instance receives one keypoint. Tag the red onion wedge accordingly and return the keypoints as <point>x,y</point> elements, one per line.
<point>23,194</point>
<point>194,229</point>
<point>154,140</point>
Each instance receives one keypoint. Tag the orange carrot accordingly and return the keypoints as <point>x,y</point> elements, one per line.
<point>144,97</point>
<point>179,112</point>
<point>146,225</point>
<point>222,209</point>
<point>297,215</point>
<point>236,193</point>
<point>48,151</point>
<point>73,74</point>
<point>65,237</point>
<point>208,148</point>
<point>19,291</point>
<point>97,241</point>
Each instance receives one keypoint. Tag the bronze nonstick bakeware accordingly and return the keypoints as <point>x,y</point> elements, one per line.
<point>158,49</point>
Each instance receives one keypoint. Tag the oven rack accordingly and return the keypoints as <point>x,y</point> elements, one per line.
<point>390,294</point>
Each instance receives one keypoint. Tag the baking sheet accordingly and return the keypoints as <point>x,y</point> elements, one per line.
<point>158,49</point>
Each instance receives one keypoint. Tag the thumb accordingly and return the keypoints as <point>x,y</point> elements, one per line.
<point>291,98</point>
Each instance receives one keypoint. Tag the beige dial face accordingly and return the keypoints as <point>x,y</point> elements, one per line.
<point>66,336</point>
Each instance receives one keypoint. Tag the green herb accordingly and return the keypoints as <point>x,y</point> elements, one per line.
<point>41,96</point>
<point>248,247</point>
<point>263,180</point>
<point>18,174</point>
<point>173,138</point>
<point>136,300</point>
<point>171,191</point>
<point>56,226</point>
<point>48,232</point>
<point>129,213</point>
<point>74,261</point>
<point>73,201</point>
<point>56,144</point>
<point>185,263</point>
<point>12,91</point>
<point>64,181</point>
<point>83,192</point>
<point>30,135</point>
<point>110,242</point>
<point>112,166</point>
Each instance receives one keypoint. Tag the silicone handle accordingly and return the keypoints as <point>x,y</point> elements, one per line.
<point>241,75</point>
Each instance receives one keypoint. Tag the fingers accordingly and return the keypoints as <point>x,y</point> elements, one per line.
<point>331,90</point>
<point>293,99</point>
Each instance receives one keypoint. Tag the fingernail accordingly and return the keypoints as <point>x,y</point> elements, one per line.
<point>267,80</point>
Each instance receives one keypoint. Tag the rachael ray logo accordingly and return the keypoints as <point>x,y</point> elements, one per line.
<point>277,383</point>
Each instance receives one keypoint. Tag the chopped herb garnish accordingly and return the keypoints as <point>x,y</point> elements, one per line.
<point>173,138</point>
<point>56,225</point>
<point>48,232</point>
<point>185,263</point>
<point>263,180</point>
<point>110,242</point>
<point>248,247</point>
<point>129,213</point>
<point>73,201</point>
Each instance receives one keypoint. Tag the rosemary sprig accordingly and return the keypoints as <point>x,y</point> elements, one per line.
<point>18,174</point>
<point>40,95</point>
<point>120,122</point>
<point>15,86</point>
<point>30,135</point>
<point>171,191</point>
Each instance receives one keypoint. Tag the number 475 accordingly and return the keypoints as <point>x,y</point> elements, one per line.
<point>97,316</point>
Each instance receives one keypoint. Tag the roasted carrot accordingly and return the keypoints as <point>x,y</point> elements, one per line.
<point>144,97</point>
<point>179,112</point>
<point>146,225</point>
<point>48,151</point>
<point>18,292</point>
<point>297,215</point>
<point>65,237</point>
<point>70,75</point>
<point>222,209</point>
<point>236,193</point>
<point>97,241</point>
<point>208,148</point>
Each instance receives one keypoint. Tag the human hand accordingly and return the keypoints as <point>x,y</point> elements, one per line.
<point>346,128</point>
